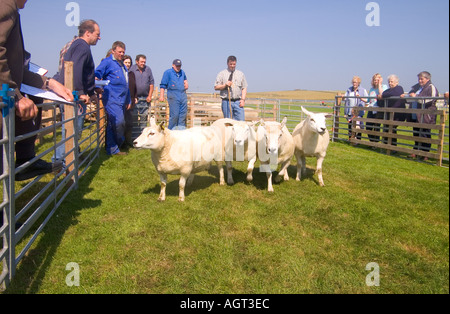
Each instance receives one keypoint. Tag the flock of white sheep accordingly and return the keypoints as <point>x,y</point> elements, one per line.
<point>191,151</point>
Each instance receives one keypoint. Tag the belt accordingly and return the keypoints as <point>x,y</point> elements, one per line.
<point>233,100</point>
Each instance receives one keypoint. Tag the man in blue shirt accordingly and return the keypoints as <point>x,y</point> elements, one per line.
<point>175,82</point>
<point>116,97</point>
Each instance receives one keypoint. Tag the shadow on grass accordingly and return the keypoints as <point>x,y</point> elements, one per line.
<point>34,266</point>
<point>172,188</point>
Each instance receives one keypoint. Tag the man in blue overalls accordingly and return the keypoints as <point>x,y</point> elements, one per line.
<point>175,82</point>
<point>116,97</point>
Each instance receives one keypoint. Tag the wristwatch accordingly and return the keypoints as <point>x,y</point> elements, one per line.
<point>47,83</point>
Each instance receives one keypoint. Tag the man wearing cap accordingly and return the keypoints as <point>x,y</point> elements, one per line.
<point>175,82</point>
<point>233,90</point>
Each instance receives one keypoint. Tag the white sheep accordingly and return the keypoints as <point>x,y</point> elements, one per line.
<point>311,139</point>
<point>181,153</point>
<point>239,144</point>
<point>275,147</point>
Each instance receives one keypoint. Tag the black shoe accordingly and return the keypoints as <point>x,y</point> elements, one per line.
<point>39,167</point>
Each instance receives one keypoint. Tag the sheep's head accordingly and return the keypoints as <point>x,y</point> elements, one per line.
<point>241,133</point>
<point>151,137</point>
<point>272,132</point>
<point>317,122</point>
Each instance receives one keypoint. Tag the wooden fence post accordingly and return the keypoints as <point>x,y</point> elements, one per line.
<point>337,116</point>
<point>69,113</point>
<point>390,132</point>
<point>102,122</point>
<point>441,138</point>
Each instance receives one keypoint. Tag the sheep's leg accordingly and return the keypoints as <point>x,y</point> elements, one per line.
<point>190,180</point>
<point>301,165</point>
<point>230,180</point>
<point>183,179</point>
<point>319,170</point>
<point>284,170</point>
<point>251,166</point>
<point>269,182</point>
<point>162,194</point>
<point>221,173</point>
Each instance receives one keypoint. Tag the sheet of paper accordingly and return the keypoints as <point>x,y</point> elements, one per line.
<point>101,83</point>
<point>33,91</point>
<point>37,69</point>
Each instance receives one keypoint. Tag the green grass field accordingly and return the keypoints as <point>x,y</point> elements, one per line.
<point>240,239</point>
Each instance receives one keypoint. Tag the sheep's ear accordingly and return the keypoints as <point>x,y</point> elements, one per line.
<point>283,123</point>
<point>162,126</point>
<point>328,116</point>
<point>152,120</point>
<point>306,112</point>
<point>262,123</point>
<point>228,124</point>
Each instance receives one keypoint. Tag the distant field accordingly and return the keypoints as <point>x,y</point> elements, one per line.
<point>294,94</point>
<point>297,94</point>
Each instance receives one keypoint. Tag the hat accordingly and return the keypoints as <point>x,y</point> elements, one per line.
<point>177,62</point>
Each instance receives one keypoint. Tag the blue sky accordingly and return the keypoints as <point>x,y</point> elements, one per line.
<point>280,45</point>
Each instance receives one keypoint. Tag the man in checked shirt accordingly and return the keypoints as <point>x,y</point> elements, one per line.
<point>233,90</point>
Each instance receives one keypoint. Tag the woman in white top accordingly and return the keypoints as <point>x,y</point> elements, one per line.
<point>374,94</point>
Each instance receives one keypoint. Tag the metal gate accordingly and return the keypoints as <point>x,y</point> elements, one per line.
<point>22,221</point>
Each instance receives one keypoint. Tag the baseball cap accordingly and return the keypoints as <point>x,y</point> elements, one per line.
<point>177,62</point>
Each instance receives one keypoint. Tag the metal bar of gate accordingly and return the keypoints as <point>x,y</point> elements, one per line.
<point>7,257</point>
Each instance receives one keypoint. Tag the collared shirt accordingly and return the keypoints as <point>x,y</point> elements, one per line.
<point>143,80</point>
<point>117,91</point>
<point>125,71</point>
<point>239,83</point>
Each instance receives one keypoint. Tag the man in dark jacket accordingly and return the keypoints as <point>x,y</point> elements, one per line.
<point>14,71</point>
<point>80,54</point>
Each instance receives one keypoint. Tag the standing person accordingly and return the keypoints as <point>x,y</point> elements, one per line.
<point>79,52</point>
<point>424,88</point>
<point>116,97</point>
<point>233,90</point>
<point>175,82</point>
<point>145,84</point>
<point>395,90</point>
<point>129,116</point>
<point>355,92</point>
<point>14,71</point>
<point>374,93</point>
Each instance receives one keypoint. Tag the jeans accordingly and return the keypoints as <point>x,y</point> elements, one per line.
<point>238,112</point>
<point>61,150</point>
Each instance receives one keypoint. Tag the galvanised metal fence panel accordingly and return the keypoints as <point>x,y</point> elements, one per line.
<point>7,132</point>
<point>26,212</point>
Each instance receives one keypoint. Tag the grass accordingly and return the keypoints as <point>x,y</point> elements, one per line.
<point>240,239</point>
